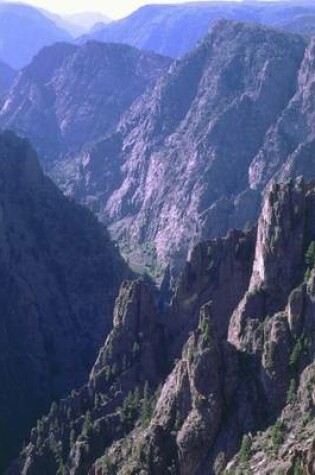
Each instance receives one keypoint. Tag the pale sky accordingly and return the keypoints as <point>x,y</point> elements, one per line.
<point>112,8</point>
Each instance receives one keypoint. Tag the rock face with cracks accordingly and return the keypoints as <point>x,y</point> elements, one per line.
<point>187,159</point>
<point>232,398</point>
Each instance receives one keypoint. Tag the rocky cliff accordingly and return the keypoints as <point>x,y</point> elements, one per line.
<point>180,157</point>
<point>240,373</point>
<point>287,446</point>
<point>119,392</point>
<point>70,96</point>
<point>191,157</point>
<point>289,145</point>
<point>59,275</point>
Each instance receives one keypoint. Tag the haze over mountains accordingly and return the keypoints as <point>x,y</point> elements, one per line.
<point>201,163</point>
<point>173,30</point>
<point>58,101</point>
<point>37,29</point>
<point>78,24</point>
<point>7,75</point>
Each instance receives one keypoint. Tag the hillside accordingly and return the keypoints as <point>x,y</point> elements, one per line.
<point>243,360</point>
<point>182,157</point>
<point>60,275</point>
<point>179,160</point>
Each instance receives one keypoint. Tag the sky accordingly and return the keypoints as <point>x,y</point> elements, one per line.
<point>112,8</point>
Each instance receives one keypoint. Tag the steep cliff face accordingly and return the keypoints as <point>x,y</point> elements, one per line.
<point>189,158</point>
<point>288,446</point>
<point>278,260</point>
<point>188,413</point>
<point>289,145</point>
<point>253,374</point>
<point>70,96</point>
<point>218,271</point>
<point>59,277</point>
<point>119,391</point>
<point>181,154</point>
<point>232,373</point>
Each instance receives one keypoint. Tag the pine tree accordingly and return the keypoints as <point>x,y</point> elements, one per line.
<point>53,409</point>
<point>72,438</point>
<point>87,428</point>
<point>146,409</point>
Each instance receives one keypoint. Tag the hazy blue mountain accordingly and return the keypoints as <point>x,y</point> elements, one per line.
<point>87,20</point>
<point>7,75</point>
<point>73,29</point>
<point>170,29</point>
<point>79,23</point>
<point>70,96</point>
<point>173,30</point>
<point>304,24</point>
<point>24,30</point>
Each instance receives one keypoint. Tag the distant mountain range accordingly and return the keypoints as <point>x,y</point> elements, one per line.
<point>7,75</point>
<point>23,32</point>
<point>170,30</point>
<point>173,30</point>
<point>179,160</point>
<point>87,19</point>
<point>79,23</point>
<point>71,96</point>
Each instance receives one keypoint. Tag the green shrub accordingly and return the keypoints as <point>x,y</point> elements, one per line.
<point>310,260</point>
<point>87,428</point>
<point>278,434</point>
<point>296,353</point>
<point>291,394</point>
<point>245,450</point>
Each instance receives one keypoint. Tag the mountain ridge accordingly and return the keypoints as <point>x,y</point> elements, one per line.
<point>59,274</point>
<point>203,149</point>
<point>158,27</point>
<point>60,97</point>
<point>178,146</point>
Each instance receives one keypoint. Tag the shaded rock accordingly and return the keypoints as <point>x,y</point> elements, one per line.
<point>295,310</point>
<point>106,408</point>
<point>59,277</point>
